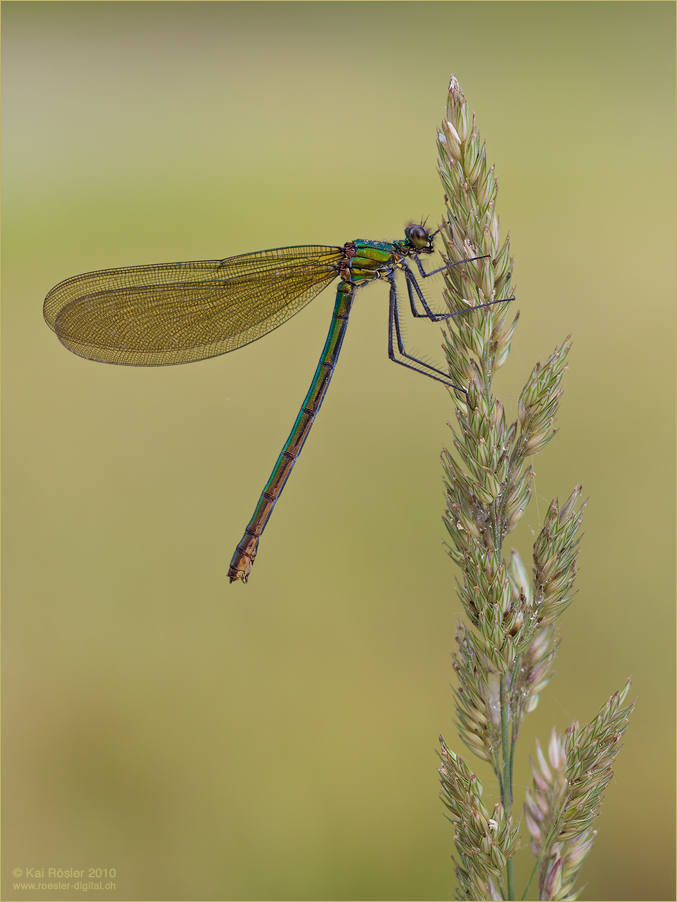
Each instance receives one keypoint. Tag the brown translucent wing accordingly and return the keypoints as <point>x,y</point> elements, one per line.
<point>180,312</point>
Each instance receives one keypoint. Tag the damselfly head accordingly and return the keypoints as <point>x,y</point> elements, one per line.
<point>418,238</point>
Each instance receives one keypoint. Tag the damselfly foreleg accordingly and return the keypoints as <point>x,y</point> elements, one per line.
<point>413,286</point>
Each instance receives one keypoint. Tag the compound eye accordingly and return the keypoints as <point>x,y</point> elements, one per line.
<point>418,236</point>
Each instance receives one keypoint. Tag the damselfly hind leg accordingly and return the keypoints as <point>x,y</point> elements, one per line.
<point>395,330</point>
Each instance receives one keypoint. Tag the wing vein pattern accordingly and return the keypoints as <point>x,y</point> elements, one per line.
<point>173,313</point>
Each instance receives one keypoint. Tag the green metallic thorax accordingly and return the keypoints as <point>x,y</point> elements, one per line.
<point>370,259</point>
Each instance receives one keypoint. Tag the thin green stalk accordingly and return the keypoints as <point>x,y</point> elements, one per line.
<point>514,733</point>
<point>506,795</point>
<point>506,789</point>
<point>499,776</point>
<point>536,866</point>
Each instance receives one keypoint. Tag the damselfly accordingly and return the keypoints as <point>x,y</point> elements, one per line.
<point>180,312</point>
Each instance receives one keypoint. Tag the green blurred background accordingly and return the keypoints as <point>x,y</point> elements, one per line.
<point>276,740</point>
